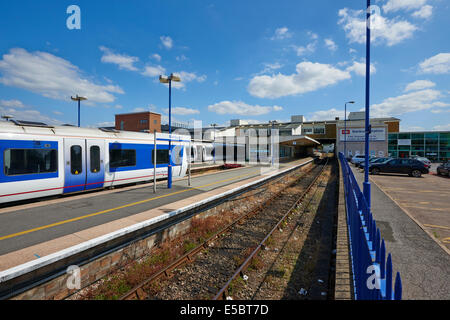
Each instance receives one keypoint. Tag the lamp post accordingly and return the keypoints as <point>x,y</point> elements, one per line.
<point>345,129</point>
<point>271,139</point>
<point>366,184</point>
<point>214,125</point>
<point>77,98</point>
<point>169,80</point>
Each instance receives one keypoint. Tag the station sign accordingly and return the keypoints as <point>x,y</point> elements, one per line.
<point>359,134</point>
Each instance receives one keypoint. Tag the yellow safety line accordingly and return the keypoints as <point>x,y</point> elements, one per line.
<point>117,208</point>
<point>435,226</point>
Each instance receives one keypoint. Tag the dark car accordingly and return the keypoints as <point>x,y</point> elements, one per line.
<point>412,167</point>
<point>373,160</point>
<point>444,169</point>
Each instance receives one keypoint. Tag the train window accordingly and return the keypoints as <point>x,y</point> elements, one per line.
<point>122,158</point>
<point>162,156</point>
<point>76,160</point>
<point>29,161</point>
<point>95,158</point>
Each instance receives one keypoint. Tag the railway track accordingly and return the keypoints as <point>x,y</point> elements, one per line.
<point>207,271</point>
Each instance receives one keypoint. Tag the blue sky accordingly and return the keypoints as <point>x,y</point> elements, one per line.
<point>251,60</point>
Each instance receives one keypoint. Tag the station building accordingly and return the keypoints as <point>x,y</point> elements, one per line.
<point>434,145</point>
<point>138,121</point>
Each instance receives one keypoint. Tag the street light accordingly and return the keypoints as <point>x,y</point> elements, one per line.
<point>345,129</point>
<point>271,138</point>
<point>169,80</point>
<point>77,98</point>
<point>366,184</point>
<point>214,125</point>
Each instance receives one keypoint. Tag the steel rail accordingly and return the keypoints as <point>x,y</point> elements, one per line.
<point>239,272</point>
<point>138,293</point>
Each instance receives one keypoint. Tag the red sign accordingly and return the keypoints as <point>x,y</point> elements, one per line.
<point>345,131</point>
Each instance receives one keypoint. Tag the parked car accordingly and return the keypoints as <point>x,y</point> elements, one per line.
<point>358,164</point>
<point>373,160</point>
<point>444,169</point>
<point>424,160</point>
<point>412,167</point>
<point>358,158</point>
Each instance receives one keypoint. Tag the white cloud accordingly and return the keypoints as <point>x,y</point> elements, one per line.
<point>156,56</point>
<point>181,58</point>
<point>312,35</point>
<point>331,45</point>
<point>51,76</point>
<point>182,111</point>
<point>58,113</point>
<point>241,108</point>
<point>122,60</point>
<point>12,103</point>
<point>419,85</point>
<point>281,33</point>
<point>309,76</point>
<point>410,102</point>
<point>310,48</point>
<point>27,113</point>
<point>425,12</point>
<point>360,68</point>
<point>396,5</point>
<point>383,29</point>
<point>438,64</point>
<point>412,128</point>
<point>327,115</point>
<point>166,41</point>
<point>443,127</point>
<point>187,77</point>
<point>153,71</point>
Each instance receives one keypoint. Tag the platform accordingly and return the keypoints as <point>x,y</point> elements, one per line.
<point>401,214</point>
<point>31,231</point>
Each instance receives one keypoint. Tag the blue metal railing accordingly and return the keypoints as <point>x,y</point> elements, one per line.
<point>372,272</point>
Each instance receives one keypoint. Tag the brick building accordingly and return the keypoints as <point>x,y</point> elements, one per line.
<point>140,121</point>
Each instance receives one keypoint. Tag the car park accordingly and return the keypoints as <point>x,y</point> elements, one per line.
<point>443,169</point>
<point>358,164</point>
<point>412,167</point>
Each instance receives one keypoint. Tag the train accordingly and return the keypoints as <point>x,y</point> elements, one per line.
<point>39,160</point>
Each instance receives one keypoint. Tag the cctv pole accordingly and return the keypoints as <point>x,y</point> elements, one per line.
<point>169,174</point>
<point>366,184</point>
<point>154,161</point>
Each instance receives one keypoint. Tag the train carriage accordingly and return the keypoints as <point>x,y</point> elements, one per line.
<point>39,160</point>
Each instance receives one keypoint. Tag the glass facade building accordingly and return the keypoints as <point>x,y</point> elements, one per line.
<point>434,145</point>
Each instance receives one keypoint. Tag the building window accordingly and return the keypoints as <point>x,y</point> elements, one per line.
<point>30,161</point>
<point>307,130</point>
<point>319,130</point>
<point>121,125</point>
<point>143,122</point>
<point>155,121</point>
<point>122,158</point>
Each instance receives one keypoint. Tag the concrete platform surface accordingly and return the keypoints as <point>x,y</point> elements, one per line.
<point>402,206</point>
<point>34,230</point>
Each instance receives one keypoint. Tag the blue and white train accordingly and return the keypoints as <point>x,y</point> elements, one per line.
<point>39,160</point>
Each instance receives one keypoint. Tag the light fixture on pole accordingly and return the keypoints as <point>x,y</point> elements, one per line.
<point>214,125</point>
<point>169,80</point>
<point>271,139</point>
<point>366,184</point>
<point>77,98</point>
<point>345,129</point>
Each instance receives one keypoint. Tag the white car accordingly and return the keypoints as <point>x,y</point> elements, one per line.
<point>358,158</point>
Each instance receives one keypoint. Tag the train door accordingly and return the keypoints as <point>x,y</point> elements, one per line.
<point>95,172</point>
<point>74,165</point>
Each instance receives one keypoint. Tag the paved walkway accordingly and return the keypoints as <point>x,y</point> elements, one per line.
<point>423,265</point>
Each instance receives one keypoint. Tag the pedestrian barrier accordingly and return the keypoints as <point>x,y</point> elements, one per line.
<point>372,272</point>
